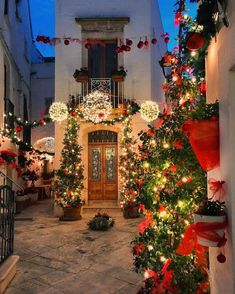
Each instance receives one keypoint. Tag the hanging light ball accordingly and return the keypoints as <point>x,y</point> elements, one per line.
<point>58,111</point>
<point>140,44</point>
<point>66,42</point>
<point>149,111</point>
<point>154,41</point>
<point>129,42</point>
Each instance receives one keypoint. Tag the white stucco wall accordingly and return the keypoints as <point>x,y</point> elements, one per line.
<point>42,86</point>
<point>220,70</point>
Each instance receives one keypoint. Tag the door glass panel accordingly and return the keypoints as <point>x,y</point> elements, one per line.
<point>95,164</point>
<point>110,155</point>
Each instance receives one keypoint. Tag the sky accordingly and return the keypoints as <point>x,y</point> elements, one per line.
<point>42,13</point>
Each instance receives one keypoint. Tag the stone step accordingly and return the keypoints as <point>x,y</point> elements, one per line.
<point>101,209</point>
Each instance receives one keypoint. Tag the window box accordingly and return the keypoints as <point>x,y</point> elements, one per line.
<point>81,76</point>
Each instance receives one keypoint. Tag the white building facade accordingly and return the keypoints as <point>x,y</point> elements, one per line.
<point>220,74</point>
<point>106,26</point>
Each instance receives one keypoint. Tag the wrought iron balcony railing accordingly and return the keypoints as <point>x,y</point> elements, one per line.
<point>115,90</point>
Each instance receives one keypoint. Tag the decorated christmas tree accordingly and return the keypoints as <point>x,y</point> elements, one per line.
<point>69,183</point>
<point>174,183</point>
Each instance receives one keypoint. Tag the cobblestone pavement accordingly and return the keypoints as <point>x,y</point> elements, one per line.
<point>65,257</point>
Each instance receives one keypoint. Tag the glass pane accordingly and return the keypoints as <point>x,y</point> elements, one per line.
<point>102,136</point>
<point>110,58</point>
<point>110,154</point>
<point>95,164</point>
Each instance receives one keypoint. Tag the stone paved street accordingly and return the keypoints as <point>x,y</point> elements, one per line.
<point>65,257</point>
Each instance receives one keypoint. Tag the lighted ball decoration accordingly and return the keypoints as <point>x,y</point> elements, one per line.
<point>195,41</point>
<point>58,111</point>
<point>149,111</point>
<point>97,107</point>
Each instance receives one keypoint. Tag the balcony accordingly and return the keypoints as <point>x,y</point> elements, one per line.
<point>113,88</point>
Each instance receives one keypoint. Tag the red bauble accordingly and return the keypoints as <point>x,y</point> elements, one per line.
<point>101,114</point>
<point>140,44</point>
<point>221,258</point>
<point>118,50</point>
<point>73,113</point>
<point>18,129</point>
<point>140,183</point>
<point>129,42</point>
<point>123,48</point>
<point>146,43</point>
<point>203,88</point>
<point>128,48</point>
<point>154,41</point>
<point>42,122</point>
<point>194,41</point>
<point>39,38</point>
<point>149,133</point>
<point>166,39</point>
<point>87,45</point>
<point>66,42</point>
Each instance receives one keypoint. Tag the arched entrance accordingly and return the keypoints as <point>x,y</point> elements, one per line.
<point>102,166</point>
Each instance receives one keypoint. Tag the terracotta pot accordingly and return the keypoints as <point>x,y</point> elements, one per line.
<point>204,139</point>
<point>194,41</point>
<point>118,78</point>
<point>131,211</point>
<point>72,213</point>
<point>209,219</point>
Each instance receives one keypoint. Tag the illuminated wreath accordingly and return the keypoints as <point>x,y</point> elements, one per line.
<point>149,110</point>
<point>97,107</point>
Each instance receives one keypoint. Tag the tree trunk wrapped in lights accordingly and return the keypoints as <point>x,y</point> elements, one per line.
<point>128,172</point>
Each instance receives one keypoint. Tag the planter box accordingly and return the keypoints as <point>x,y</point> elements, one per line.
<point>209,219</point>
<point>22,202</point>
<point>33,197</point>
<point>118,78</point>
<point>58,211</point>
<point>82,79</point>
<point>72,214</point>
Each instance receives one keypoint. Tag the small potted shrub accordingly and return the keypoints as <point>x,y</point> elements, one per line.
<point>101,222</point>
<point>211,212</point>
<point>32,192</point>
<point>119,75</point>
<point>131,209</point>
<point>82,75</point>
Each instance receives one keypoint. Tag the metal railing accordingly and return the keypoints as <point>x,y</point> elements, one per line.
<point>7,213</point>
<point>115,90</point>
<point>6,181</point>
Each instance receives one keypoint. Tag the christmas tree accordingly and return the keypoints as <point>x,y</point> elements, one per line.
<point>174,183</point>
<point>70,177</point>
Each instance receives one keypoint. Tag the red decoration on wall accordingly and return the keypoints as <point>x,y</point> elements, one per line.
<point>140,44</point>
<point>194,41</point>
<point>154,41</point>
<point>18,129</point>
<point>66,42</point>
<point>204,139</point>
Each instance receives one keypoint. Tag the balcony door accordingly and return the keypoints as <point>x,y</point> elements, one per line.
<point>102,166</point>
<point>102,59</point>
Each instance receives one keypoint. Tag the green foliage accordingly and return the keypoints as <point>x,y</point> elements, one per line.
<point>202,110</point>
<point>69,184</point>
<point>211,207</point>
<point>101,222</point>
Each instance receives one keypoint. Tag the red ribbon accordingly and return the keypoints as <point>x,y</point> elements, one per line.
<point>216,186</point>
<point>204,230</point>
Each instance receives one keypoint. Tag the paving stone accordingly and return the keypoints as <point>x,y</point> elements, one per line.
<point>65,257</point>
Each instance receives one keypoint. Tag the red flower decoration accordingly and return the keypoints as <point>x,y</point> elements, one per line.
<point>139,249</point>
<point>149,133</point>
<point>18,129</point>
<point>178,145</point>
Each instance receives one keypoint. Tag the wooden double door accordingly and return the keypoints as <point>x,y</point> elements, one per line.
<point>103,173</point>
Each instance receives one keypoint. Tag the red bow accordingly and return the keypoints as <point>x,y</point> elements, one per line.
<point>216,186</point>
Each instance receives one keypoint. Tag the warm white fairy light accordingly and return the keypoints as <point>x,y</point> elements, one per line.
<point>58,111</point>
<point>149,111</point>
<point>97,106</point>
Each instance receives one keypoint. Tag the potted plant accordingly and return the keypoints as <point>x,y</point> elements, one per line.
<point>203,132</point>
<point>72,208</point>
<point>131,209</point>
<point>82,75</point>
<point>119,75</point>
<point>32,192</point>
<point>101,222</point>
<point>47,177</point>
<point>212,217</point>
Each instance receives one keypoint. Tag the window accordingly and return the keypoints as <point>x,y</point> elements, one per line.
<point>102,59</point>
<point>6,7</point>
<point>6,80</point>
<point>48,102</point>
<point>9,109</point>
